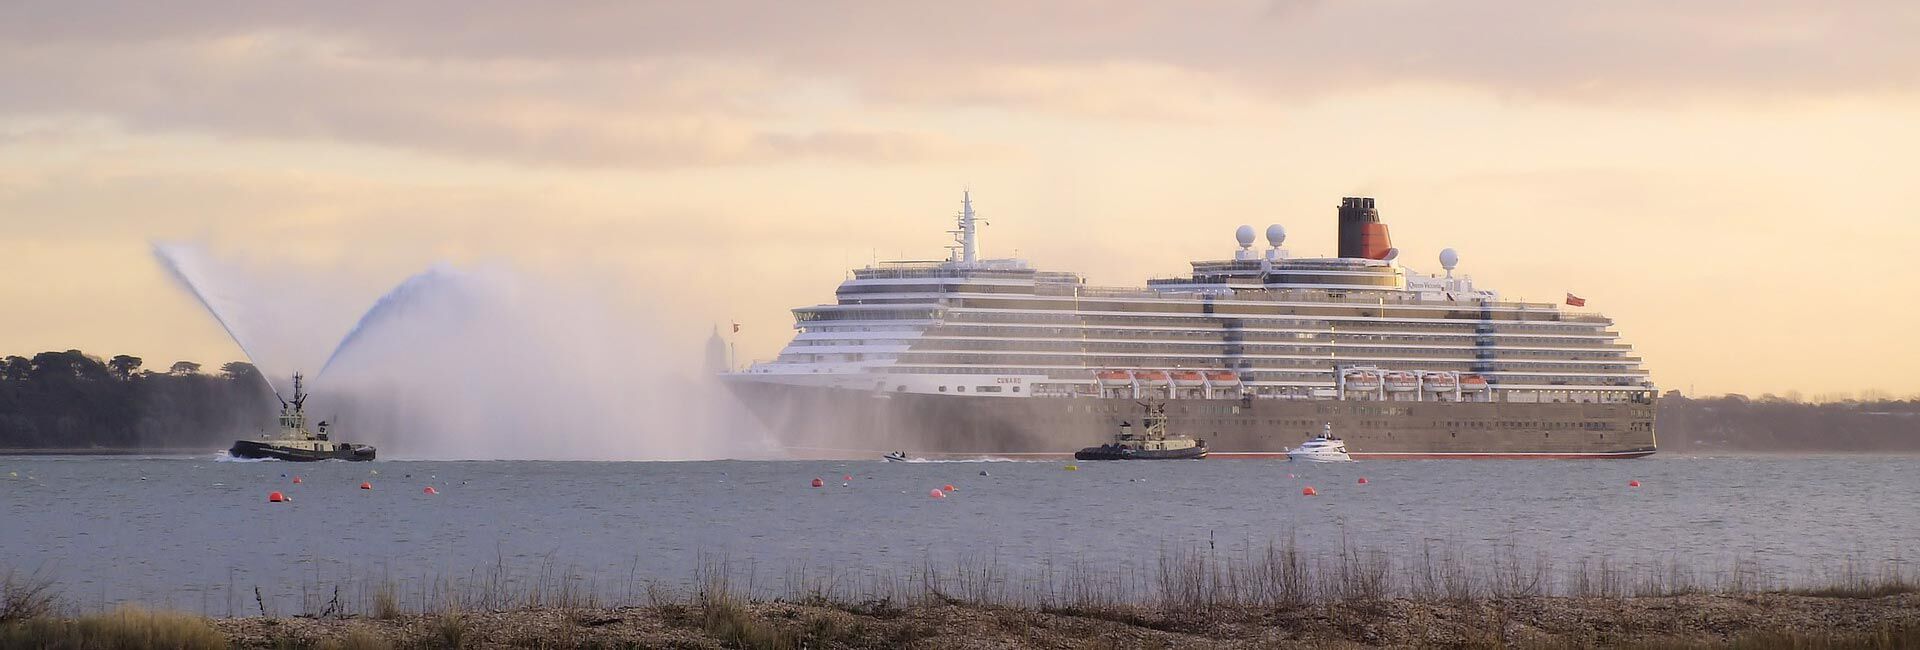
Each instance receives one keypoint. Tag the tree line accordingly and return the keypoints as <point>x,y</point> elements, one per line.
<point>72,400</point>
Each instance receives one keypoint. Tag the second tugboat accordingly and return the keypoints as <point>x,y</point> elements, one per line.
<point>294,442</point>
<point>1154,444</point>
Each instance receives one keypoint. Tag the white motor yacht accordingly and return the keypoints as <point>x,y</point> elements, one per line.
<point>1323,448</point>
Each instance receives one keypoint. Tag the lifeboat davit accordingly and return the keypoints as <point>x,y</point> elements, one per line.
<point>1187,378</point>
<point>1222,377</point>
<point>1439,382</point>
<point>1400,382</point>
<point>1363,380</point>
<point>1115,377</point>
<point>1151,376</point>
<point>1472,383</point>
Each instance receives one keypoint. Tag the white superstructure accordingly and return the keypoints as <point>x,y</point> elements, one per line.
<point>1258,325</point>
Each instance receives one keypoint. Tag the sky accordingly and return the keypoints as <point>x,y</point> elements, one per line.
<point>1733,182</point>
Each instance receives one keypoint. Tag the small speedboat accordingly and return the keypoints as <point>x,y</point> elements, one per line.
<point>1323,448</point>
<point>896,457</point>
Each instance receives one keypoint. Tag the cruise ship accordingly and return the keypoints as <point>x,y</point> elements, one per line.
<point>975,357</point>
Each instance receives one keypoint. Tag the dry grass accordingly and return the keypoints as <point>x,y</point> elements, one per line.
<point>127,627</point>
<point>25,597</point>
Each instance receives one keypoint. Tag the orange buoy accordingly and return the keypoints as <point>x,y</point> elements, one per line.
<point>1363,480</point>
<point>937,494</point>
<point>429,490</point>
<point>1308,491</point>
<point>817,482</point>
<point>366,485</point>
<point>1633,483</point>
<point>276,497</point>
<point>296,480</point>
<point>948,487</point>
<point>848,477</point>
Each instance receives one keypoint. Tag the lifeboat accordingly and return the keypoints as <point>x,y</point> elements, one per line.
<point>1363,380</point>
<point>1400,382</point>
<point>1472,383</point>
<point>1438,382</point>
<point>1187,378</point>
<point>1222,377</point>
<point>1114,377</point>
<point>1151,376</point>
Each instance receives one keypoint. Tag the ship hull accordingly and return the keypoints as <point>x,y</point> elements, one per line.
<point>262,450</point>
<point>1107,453</point>
<point>833,422</point>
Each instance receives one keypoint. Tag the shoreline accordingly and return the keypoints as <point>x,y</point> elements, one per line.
<point>1762,620</point>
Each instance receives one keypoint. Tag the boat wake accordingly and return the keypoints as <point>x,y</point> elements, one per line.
<point>224,457</point>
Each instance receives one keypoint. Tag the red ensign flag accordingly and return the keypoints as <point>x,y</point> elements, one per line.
<point>1574,300</point>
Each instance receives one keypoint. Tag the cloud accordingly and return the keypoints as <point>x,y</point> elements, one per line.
<point>654,85</point>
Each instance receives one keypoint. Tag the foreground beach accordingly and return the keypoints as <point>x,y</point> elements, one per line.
<point>1697,620</point>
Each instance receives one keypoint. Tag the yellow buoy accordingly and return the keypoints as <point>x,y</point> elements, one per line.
<point>1071,468</point>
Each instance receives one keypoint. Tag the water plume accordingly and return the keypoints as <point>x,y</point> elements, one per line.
<point>487,363</point>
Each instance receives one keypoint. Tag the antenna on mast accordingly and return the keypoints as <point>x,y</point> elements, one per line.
<point>966,235</point>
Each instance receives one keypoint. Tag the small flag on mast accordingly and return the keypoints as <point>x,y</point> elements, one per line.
<point>1574,300</point>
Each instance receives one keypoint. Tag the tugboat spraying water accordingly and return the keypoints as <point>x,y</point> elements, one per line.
<point>294,441</point>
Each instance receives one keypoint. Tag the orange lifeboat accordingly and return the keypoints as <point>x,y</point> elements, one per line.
<point>1363,380</point>
<point>1114,377</point>
<point>1401,382</point>
<point>1187,378</point>
<point>1472,383</point>
<point>1439,382</point>
<point>1222,377</point>
<point>1151,376</point>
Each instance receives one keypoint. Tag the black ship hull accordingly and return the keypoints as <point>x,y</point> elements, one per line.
<point>835,422</point>
<point>265,450</point>
<point>1121,453</point>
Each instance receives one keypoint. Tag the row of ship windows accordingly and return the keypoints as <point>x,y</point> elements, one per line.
<point>1205,328</point>
<point>1237,310</point>
<point>1223,322</point>
<point>1229,349</point>
<point>937,358</point>
<point>962,389</point>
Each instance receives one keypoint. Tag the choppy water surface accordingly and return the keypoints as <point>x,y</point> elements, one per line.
<point>190,531</point>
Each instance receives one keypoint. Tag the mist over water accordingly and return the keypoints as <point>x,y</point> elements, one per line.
<point>486,363</point>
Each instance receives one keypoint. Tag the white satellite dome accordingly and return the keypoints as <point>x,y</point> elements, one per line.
<point>1245,235</point>
<point>1276,235</point>
<point>1449,259</point>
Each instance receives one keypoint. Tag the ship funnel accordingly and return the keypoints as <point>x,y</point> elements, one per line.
<point>1361,233</point>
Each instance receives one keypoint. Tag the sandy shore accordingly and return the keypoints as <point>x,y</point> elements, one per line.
<point>1760,620</point>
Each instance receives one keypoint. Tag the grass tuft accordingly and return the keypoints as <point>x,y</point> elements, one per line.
<point>126,628</point>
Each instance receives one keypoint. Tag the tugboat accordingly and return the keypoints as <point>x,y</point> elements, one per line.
<point>294,442</point>
<point>1153,444</point>
<point>1323,448</point>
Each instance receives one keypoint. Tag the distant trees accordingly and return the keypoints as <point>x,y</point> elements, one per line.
<point>124,365</point>
<point>69,400</point>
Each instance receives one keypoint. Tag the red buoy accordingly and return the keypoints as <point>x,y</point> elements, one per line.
<point>937,494</point>
<point>429,490</point>
<point>848,477</point>
<point>296,480</point>
<point>366,485</point>
<point>1308,491</point>
<point>948,487</point>
<point>1633,483</point>
<point>1363,480</point>
<point>817,482</point>
<point>276,497</point>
